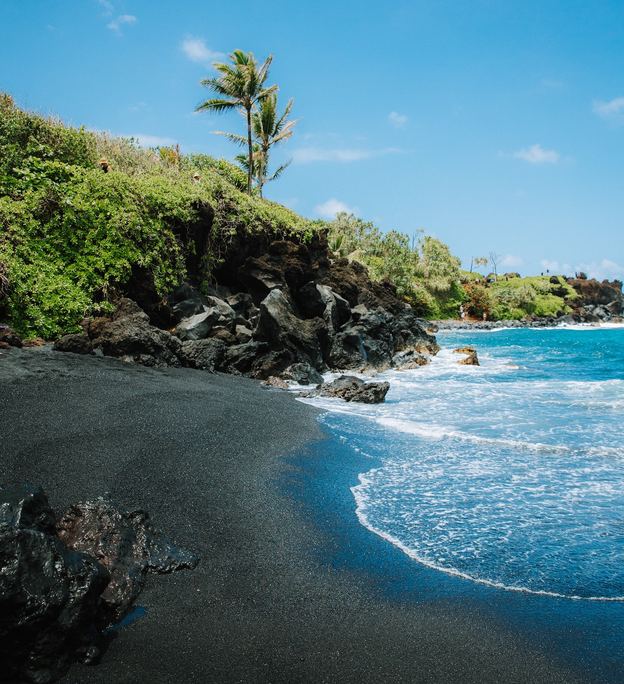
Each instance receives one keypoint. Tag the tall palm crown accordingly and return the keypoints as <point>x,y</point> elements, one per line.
<point>241,84</point>
<point>269,129</point>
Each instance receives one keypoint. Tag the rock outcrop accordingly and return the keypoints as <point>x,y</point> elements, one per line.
<point>62,583</point>
<point>280,308</point>
<point>350,388</point>
<point>470,356</point>
<point>596,301</point>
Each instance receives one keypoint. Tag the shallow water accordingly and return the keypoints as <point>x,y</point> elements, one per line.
<point>509,474</point>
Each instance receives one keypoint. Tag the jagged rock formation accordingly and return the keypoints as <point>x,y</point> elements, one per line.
<point>281,308</point>
<point>62,583</point>
<point>350,388</point>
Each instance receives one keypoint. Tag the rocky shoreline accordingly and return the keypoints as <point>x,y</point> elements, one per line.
<point>286,311</point>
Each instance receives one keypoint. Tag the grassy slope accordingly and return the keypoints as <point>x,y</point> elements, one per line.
<point>517,298</point>
<point>70,234</point>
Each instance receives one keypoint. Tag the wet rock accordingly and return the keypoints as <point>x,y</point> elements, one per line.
<point>202,354</point>
<point>410,359</point>
<point>350,388</point>
<point>126,544</point>
<point>470,358</point>
<point>75,343</point>
<point>49,595</point>
<point>302,374</point>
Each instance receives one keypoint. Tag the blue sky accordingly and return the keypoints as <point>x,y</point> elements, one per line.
<point>495,126</point>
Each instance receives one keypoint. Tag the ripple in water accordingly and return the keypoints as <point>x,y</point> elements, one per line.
<point>510,474</point>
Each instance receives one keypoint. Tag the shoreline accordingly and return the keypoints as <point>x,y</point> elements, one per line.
<point>452,325</point>
<point>290,586</point>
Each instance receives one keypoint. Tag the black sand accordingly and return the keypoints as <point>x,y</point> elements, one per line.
<point>206,455</point>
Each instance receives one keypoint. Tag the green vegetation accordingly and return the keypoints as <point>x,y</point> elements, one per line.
<point>514,298</point>
<point>424,271</point>
<point>428,276</point>
<point>72,235</point>
<point>83,213</point>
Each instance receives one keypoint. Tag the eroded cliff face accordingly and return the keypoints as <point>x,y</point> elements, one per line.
<point>273,305</point>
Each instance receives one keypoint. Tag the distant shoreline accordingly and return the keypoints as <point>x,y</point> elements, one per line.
<point>455,324</point>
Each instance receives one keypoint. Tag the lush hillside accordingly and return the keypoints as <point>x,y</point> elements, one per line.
<point>73,236</point>
<point>511,297</point>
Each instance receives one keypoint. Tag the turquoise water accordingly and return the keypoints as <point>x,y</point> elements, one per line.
<point>509,474</point>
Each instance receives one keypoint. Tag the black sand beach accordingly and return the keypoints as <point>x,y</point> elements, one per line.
<point>210,457</point>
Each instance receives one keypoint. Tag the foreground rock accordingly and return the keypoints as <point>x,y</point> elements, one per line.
<point>470,358</point>
<point>62,584</point>
<point>350,388</point>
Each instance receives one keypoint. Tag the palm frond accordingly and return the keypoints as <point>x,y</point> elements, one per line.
<point>280,170</point>
<point>233,137</point>
<point>216,105</point>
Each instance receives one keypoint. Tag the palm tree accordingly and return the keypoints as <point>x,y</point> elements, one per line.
<point>240,85</point>
<point>269,129</point>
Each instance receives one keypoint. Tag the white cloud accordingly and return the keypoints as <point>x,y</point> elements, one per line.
<point>122,20</point>
<point>332,207</point>
<point>555,267</point>
<point>106,6</point>
<point>307,155</point>
<point>602,270</point>
<point>145,140</point>
<point>536,154</point>
<point>610,109</point>
<point>197,50</point>
<point>397,120</point>
<point>511,261</point>
<point>605,269</point>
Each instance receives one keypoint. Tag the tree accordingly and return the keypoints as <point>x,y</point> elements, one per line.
<point>268,129</point>
<point>241,85</point>
<point>494,259</point>
<point>478,261</point>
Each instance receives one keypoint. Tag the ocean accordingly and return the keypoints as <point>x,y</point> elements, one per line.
<point>508,474</point>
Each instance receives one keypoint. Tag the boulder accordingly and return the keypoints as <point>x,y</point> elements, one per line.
<point>470,358</point>
<point>188,307</point>
<point>126,545</point>
<point>350,388</point>
<point>282,329</point>
<point>10,337</point>
<point>202,354</point>
<point>302,374</point>
<point>129,335</point>
<point>75,343</point>
<point>198,327</point>
<point>243,333</point>
<point>409,359</point>
<point>275,381</point>
<point>240,358</point>
<point>49,595</point>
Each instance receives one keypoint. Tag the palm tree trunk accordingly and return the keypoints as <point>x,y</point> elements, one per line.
<point>250,152</point>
